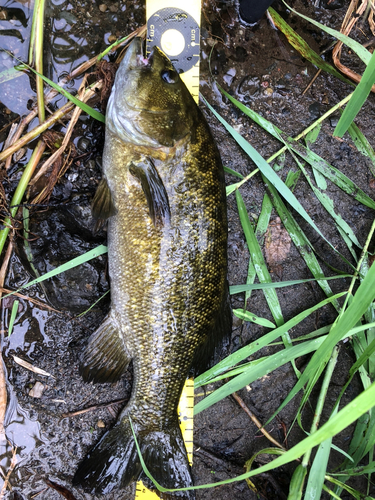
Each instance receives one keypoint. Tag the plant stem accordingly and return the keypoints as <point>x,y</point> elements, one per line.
<point>37,131</point>
<point>322,396</point>
<point>359,265</point>
<point>20,191</point>
<point>38,51</point>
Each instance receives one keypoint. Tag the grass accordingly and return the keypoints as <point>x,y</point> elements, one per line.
<point>355,320</point>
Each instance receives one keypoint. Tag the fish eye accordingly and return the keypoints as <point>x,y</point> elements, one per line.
<point>169,76</point>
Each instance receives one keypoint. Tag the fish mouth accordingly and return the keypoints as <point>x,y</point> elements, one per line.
<point>136,57</point>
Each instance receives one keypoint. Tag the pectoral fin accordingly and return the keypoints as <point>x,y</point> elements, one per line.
<point>102,205</point>
<point>154,190</point>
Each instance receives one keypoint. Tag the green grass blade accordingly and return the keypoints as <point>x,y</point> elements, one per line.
<point>232,172</point>
<point>258,260</point>
<point>11,73</point>
<point>92,254</point>
<point>332,173</point>
<point>249,316</point>
<point>297,482</point>
<point>259,263</point>
<point>356,102</point>
<point>85,107</point>
<point>302,243</point>
<point>280,284</point>
<point>328,204</point>
<point>250,349</point>
<point>356,494</point>
<point>361,51</point>
<point>362,144</point>
<point>303,48</point>
<point>13,316</point>
<point>361,301</point>
<point>269,364</point>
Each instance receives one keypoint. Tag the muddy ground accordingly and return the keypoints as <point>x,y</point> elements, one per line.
<point>260,68</point>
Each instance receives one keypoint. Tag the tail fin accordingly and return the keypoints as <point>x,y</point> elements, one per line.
<point>114,462</point>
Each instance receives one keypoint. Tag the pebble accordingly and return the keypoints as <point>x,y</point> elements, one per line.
<point>37,390</point>
<point>103,7</point>
<point>100,424</point>
<point>112,38</point>
<point>334,120</point>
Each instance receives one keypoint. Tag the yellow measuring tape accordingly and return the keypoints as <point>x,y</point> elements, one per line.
<point>185,416</point>
<point>174,26</point>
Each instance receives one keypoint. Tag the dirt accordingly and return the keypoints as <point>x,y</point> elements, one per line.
<point>259,67</point>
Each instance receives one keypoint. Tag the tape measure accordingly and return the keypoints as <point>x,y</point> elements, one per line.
<point>185,416</point>
<point>174,26</point>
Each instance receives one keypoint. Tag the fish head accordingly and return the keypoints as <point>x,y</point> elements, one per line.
<point>149,104</point>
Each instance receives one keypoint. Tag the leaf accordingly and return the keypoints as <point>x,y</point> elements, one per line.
<point>279,284</point>
<point>361,300</point>
<point>92,254</point>
<point>255,346</point>
<point>249,316</point>
<point>361,52</point>
<point>85,107</point>
<point>303,48</point>
<point>358,98</point>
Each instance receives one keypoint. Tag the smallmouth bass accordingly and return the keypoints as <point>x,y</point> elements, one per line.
<point>163,194</point>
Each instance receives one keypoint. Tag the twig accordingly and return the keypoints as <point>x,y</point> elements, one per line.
<point>312,81</point>
<point>12,465</point>
<point>351,17</point>
<point>84,97</point>
<point>92,408</point>
<point>25,297</point>
<point>49,96</point>
<point>256,421</point>
<point>20,190</point>
<point>225,463</point>
<point>37,131</point>
<point>4,266</point>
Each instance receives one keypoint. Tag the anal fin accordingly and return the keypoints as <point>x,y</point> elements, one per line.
<point>105,358</point>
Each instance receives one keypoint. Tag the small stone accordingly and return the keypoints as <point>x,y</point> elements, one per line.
<point>37,390</point>
<point>101,424</point>
<point>112,38</point>
<point>334,120</point>
<point>103,7</point>
<point>268,91</point>
<point>113,8</point>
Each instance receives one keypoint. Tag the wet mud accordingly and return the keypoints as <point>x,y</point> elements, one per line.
<point>258,67</point>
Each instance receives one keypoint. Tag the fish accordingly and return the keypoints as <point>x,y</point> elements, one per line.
<point>163,194</point>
